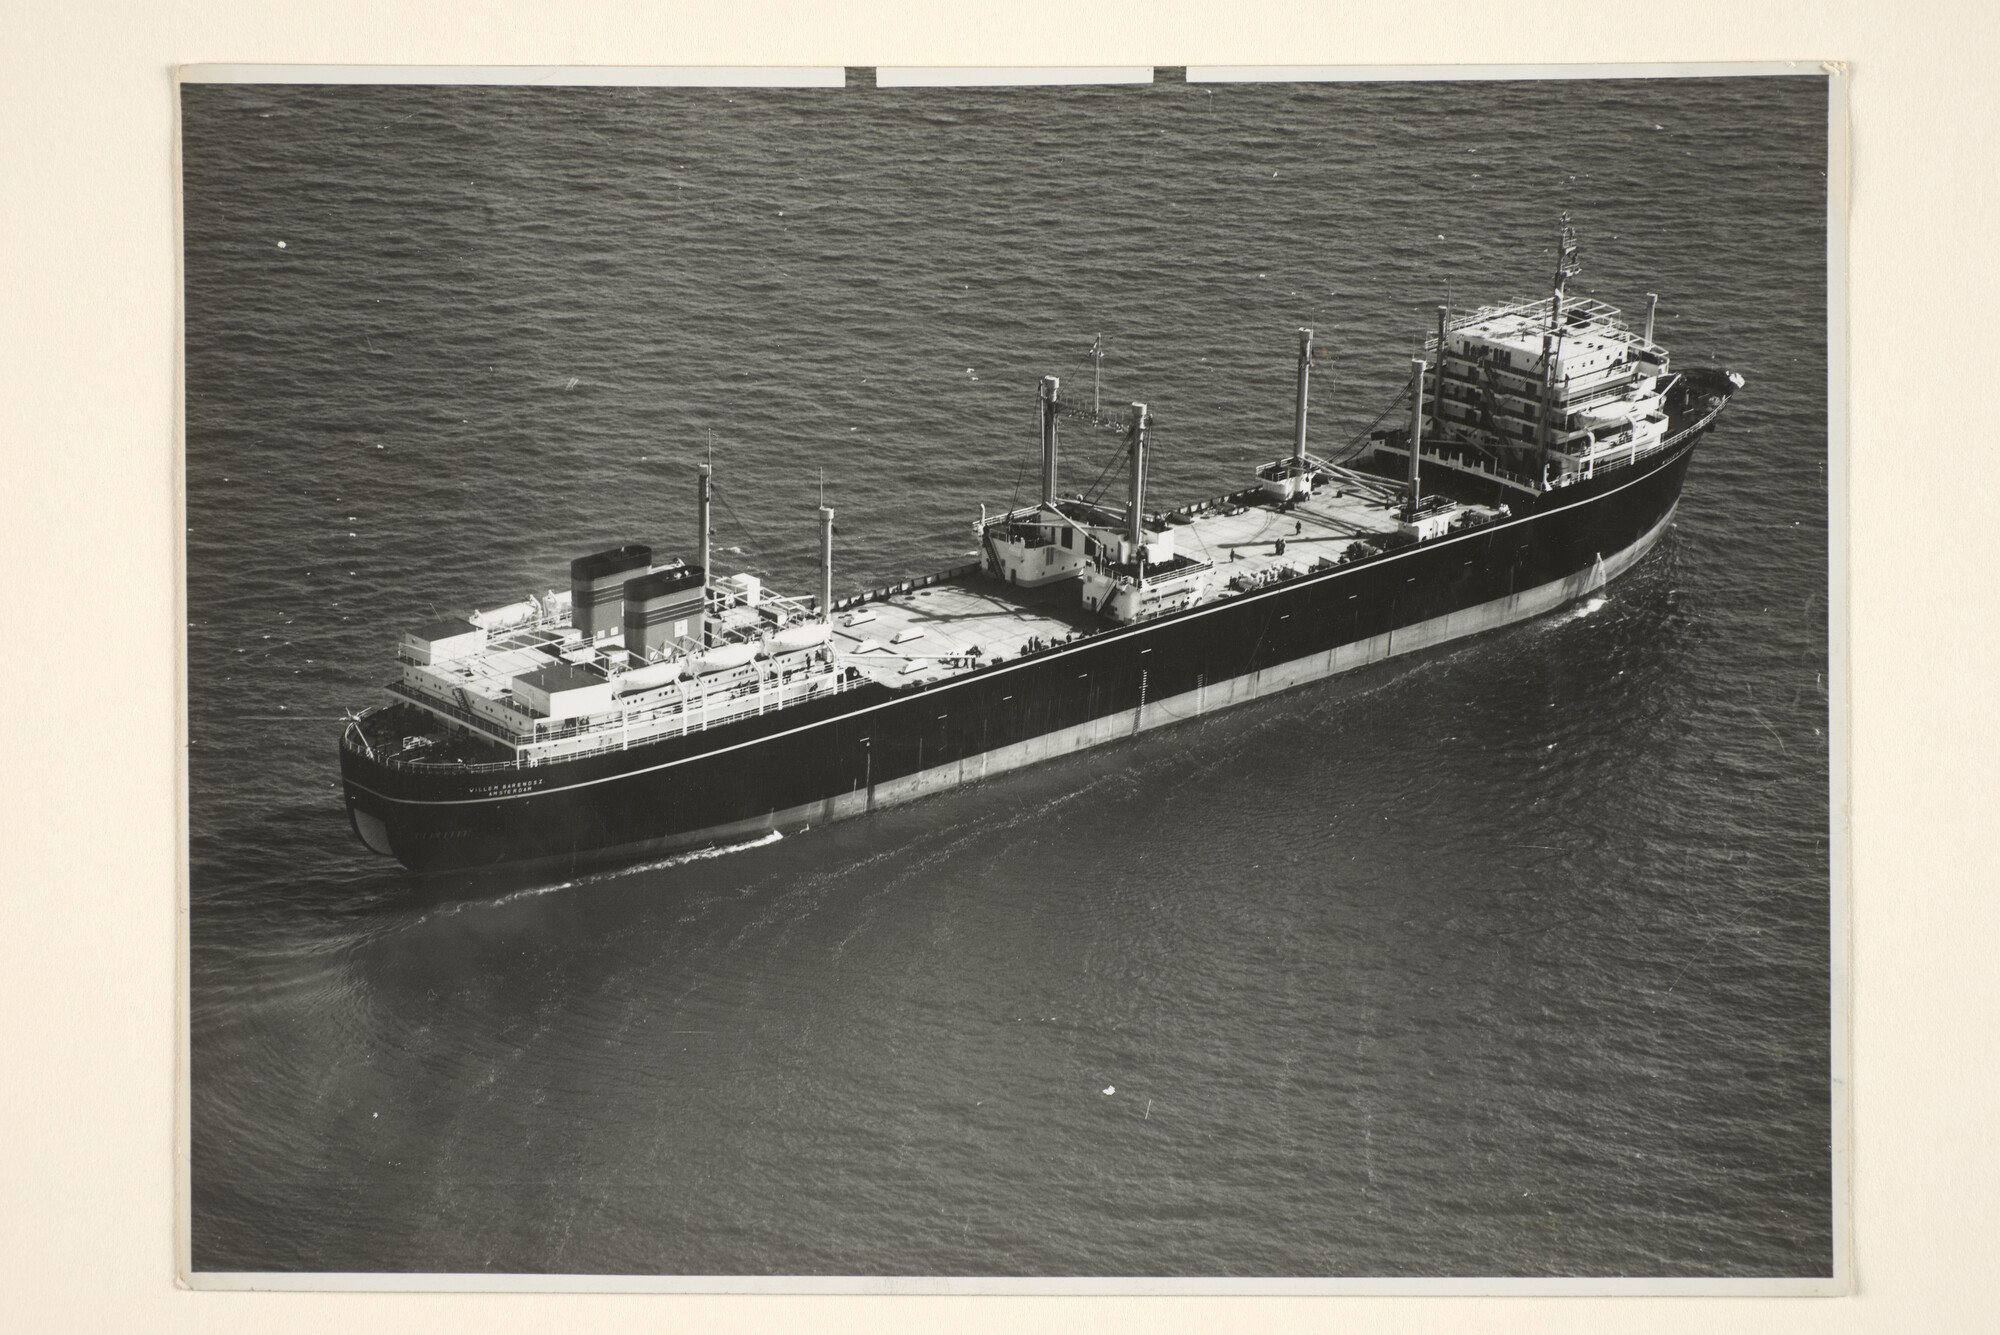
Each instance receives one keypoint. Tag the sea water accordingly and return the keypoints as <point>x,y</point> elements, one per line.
<point>1510,961</point>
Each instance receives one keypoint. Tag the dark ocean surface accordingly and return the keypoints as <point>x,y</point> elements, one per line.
<point>1512,961</point>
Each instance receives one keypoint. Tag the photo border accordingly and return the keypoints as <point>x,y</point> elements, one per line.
<point>1838,170</point>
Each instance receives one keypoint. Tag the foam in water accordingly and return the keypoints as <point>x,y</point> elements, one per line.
<point>618,873</point>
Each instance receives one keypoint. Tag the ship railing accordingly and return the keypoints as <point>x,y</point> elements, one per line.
<point>479,671</point>
<point>349,738</point>
<point>436,766</point>
<point>1475,464</point>
<point>1181,567</point>
<point>1223,502</point>
<point>555,620</point>
<point>1616,389</point>
<point>1589,466</point>
<point>1537,308</point>
<point>782,611</point>
<point>1186,566</point>
<point>907,586</point>
<point>1026,515</point>
<point>614,731</point>
<point>1699,424</point>
<point>546,620</point>
<point>478,722</point>
<point>1472,411</point>
<point>1603,319</point>
<point>1472,463</point>
<point>1461,391</point>
<point>451,767</point>
<point>551,627</point>
<point>1029,535</point>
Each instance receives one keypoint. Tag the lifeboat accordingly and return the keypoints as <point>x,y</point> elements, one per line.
<point>799,637</point>
<point>723,657</point>
<point>502,618</point>
<point>646,678</point>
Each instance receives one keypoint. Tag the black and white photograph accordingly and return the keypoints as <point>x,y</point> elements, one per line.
<point>1136,680</point>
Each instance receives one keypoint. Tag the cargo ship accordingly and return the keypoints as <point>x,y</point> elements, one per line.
<point>655,705</point>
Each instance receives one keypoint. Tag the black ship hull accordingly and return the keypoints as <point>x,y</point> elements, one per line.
<point>873,745</point>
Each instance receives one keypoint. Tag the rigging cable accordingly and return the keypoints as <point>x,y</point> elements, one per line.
<point>1097,487</point>
<point>1360,438</point>
<point>720,495</point>
<point>1021,465</point>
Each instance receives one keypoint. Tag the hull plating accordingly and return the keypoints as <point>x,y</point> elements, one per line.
<point>873,747</point>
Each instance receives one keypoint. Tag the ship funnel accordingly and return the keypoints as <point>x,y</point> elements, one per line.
<point>597,587</point>
<point>1137,518</point>
<point>664,611</point>
<point>1051,388</point>
<point>1305,374</point>
<point>826,563</point>
<point>1416,428</point>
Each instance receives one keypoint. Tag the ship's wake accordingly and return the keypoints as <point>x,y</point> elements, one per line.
<point>615,874</point>
<point>1588,607</point>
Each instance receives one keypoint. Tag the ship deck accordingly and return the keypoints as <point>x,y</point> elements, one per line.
<point>955,616</point>
<point>914,633</point>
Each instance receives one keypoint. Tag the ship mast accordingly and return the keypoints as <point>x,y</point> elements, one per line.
<point>1049,395</point>
<point>704,473</point>
<point>1299,418</point>
<point>1136,512</point>
<point>1437,381</point>
<point>1566,268</point>
<point>825,555</point>
<point>1416,439</point>
<point>1096,375</point>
